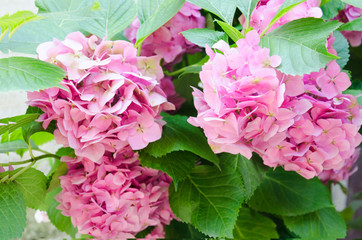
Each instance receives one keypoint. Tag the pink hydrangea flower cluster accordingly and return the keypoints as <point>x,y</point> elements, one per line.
<point>351,13</point>
<point>112,99</point>
<point>266,10</point>
<point>345,172</point>
<point>303,123</point>
<point>115,199</point>
<point>168,41</point>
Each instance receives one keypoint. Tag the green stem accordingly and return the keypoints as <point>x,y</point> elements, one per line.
<point>21,171</point>
<point>30,160</point>
<point>177,72</point>
<point>4,179</point>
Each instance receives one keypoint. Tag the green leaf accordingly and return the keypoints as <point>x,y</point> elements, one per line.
<point>61,222</point>
<point>153,14</point>
<point>356,223</point>
<point>13,123</point>
<point>247,7</point>
<point>145,232</point>
<point>232,32</point>
<point>40,138</point>
<point>203,36</point>
<point>176,164</point>
<point>11,23</point>
<point>356,3</point>
<point>301,45</point>
<point>289,194</point>
<point>32,184</point>
<point>68,14</point>
<point>225,9</point>
<point>179,135</point>
<point>61,170</point>
<point>209,199</point>
<point>331,9</point>
<point>65,151</point>
<point>284,8</point>
<point>342,47</point>
<point>12,211</point>
<point>254,226</point>
<point>15,145</point>
<point>252,171</point>
<point>325,223</point>
<point>180,230</point>
<point>112,18</point>
<point>355,25</point>
<point>28,74</point>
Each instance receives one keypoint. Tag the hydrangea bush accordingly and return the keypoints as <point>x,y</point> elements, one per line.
<point>183,120</point>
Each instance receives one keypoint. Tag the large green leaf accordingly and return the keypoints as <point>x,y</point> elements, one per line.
<point>32,183</point>
<point>289,194</point>
<point>176,164</point>
<point>301,45</point>
<point>323,224</point>
<point>112,18</point>
<point>62,222</point>
<point>68,14</point>
<point>252,171</point>
<point>284,8</point>
<point>12,211</point>
<point>209,199</point>
<point>331,9</point>
<point>356,3</point>
<point>254,226</point>
<point>355,25</point>
<point>341,45</point>
<point>15,21</point>
<point>203,36</point>
<point>246,7</point>
<point>27,39</point>
<point>179,135</point>
<point>28,74</point>
<point>13,123</point>
<point>154,13</point>
<point>225,9</point>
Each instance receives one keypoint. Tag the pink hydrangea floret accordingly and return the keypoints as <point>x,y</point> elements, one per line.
<point>111,97</point>
<point>167,41</point>
<point>115,199</point>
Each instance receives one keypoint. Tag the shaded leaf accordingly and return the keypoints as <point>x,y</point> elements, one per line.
<point>209,199</point>
<point>289,194</point>
<point>331,9</point>
<point>325,223</point>
<point>176,164</point>
<point>180,230</point>
<point>254,226</point>
<point>178,135</point>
